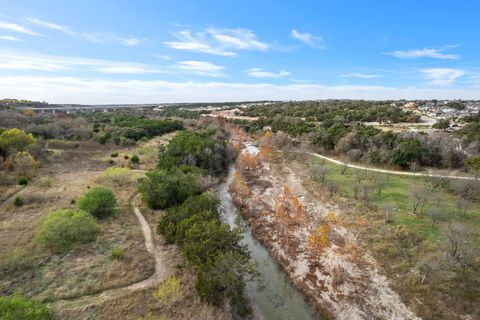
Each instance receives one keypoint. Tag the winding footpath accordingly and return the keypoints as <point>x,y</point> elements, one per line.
<point>394,172</point>
<point>161,272</point>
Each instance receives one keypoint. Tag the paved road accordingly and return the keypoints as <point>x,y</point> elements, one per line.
<point>400,173</point>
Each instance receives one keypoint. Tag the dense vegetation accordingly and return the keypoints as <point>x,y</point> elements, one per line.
<point>123,128</point>
<point>18,307</point>
<point>182,112</point>
<point>192,220</point>
<point>62,229</point>
<point>206,150</point>
<point>162,188</point>
<point>337,127</point>
<point>100,202</point>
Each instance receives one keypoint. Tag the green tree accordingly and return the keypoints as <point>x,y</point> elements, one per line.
<point>442,124</point>
<point>473,164</point>
<point>14,140</point>
<point>64,228</point>
<point>407,152</point>
<point>99,202</point>
<point>161,189</point>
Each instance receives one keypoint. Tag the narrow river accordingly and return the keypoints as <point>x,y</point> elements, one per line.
<point>279,299</point>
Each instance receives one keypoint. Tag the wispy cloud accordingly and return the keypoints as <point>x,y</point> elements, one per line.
<point>201,67</point>
<point>222,42</point>
<point>309,39</point>
<point>260,73</point>
<point>96,91</point>
<point>97,37</point>
<point>10,38</point>
<point>239,39</point>
<point>106,37</point>
<point>17,28</point>
<point>425,53</point>
<point>359,75</point>
<point>50,25</point>
<point>162,57</point>
<point>442,76</point>
<point>13,60</point>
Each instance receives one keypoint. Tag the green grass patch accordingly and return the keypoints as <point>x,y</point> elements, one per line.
<point>398,193</point>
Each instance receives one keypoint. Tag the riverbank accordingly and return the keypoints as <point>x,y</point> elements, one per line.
<point>340,281</point>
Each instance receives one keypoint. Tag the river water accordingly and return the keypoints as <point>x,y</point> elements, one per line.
<point>279,299</point>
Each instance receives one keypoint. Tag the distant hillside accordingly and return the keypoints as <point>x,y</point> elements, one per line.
<point>13,103</point>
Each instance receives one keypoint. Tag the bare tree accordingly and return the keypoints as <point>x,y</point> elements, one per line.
<point>463,207</point>
<point>379,182</point>
<point>319,173</point>
<point>460,252</point>
<point>332,188</point>
<point>419,196</point>
<point>389,210</point>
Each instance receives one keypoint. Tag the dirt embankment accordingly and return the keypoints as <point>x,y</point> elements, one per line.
<point>339,280</point>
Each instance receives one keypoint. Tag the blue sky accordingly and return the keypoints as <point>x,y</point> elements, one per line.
<point>180,51</point>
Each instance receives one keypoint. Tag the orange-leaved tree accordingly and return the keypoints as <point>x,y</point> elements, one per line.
<point>239,189</point>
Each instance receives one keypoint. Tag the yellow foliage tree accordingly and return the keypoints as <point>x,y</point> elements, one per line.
<point>25,164</point>
<point>319,239</point>
<point>239,188</point>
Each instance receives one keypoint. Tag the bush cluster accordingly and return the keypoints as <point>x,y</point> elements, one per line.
<point>18,307</point>
<point>98,201</point>
<point>62,229</point>
<point>192,219</point>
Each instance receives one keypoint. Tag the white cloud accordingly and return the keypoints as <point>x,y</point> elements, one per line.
<point>309,39</point>
<point>196,43</point>
<point>260,73</point>
<point>130,41</point>
<point>162,57</point>
<point>239,38</point>
<point>359,75</point>
<point>17,28</point>
<point>126,70</point>
<point>424,53</point>
<point>201,67</point>
<point>13,60</point>
<point>50,25</point>
<point>91,91</point>
<point>442,76</point>
<point>10,38</point>
<point>105,37</point>
<point>222,42</point>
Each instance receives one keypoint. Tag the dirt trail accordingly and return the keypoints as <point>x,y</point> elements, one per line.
<point>401,173</point>
<point>161,272</point>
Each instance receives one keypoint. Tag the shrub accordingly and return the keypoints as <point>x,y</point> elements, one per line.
<point>169,222</point>
<point>18,201</point>
<point>114,155</point>
<point>23,181</point>
<point>202,149</point>
<point>18,307</point>
<point>169,291</point>
<point>117,253</point>
<point>98,201</point>
<point>25,164</point>
<point>118,176</point>
<point>162,189</point>
<point>46,182</point>
<point>111,162</point>
<point>64,228</point>
<point>126,157</point>
<point>135,159</point>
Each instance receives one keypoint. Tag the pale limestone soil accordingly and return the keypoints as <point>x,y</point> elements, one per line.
<point>363,294</point>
